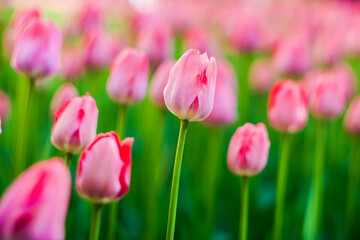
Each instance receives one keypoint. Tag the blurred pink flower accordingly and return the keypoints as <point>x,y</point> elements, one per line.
<point>5,105</point>
<point>65,92</point>
<point>72,63</point>
<point>261,75</point>
<point>201,39</point>
<point>352,117</point>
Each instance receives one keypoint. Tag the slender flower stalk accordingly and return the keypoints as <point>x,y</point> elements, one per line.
<point>95,221</point>
<point>68,159</point>
<point>120,125</point>
<point>175,180</point>
<point>244,208</point>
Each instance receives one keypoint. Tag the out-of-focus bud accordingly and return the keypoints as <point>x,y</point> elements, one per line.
<point>189,92</point>
<point>72,63</point>
<point>352,117</point>
<point>345,74</point>
<point>89,18</point>
<point>128,80</point>
<point>18,23</point>
<point>199,38</point>
<point>37,51</point>
<point>104,169</point>
<point>159,81</point>
<point>100,49</point>
<point>287,106</point>
<point>262,75</point>
<point>66,92</point>
<point>248,150</point>
<point>225,101</point>
<point>328,48</point>
<point>35,205</point>
<point>75,124</point>
<point>5,105</point>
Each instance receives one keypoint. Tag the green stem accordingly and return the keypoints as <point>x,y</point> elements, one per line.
<point>120,126</point>
<point>281,186</point>
<point>68,159</point>
<point>95,221</point>
<point>175,180</point>
<point>244,208</point>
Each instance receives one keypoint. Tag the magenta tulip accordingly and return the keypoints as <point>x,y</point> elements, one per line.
<point>352,117</point>
<point>66,92</point>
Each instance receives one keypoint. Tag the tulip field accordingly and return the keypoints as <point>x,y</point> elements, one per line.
<point>207,119</point>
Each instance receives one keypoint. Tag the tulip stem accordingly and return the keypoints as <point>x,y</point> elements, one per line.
<point>120,127</point>
<point>175,180</point>
<point>95,221</point>
<point>281,186</point>
<point>244,208</point>
<point>68,159</point>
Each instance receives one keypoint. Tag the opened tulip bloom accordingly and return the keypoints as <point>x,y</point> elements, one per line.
<point>35,205</point>
<point>66,92</point>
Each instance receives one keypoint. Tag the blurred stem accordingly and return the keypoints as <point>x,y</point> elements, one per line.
<point>281,186</point>
<point>120,126</point>
<point>68,159</point>
<point>175,180</point>
<point>244,208</point>
<point>95,221</point>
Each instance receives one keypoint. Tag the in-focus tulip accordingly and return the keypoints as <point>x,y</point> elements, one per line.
<point>189,93</point>
<point>262,75</point>
<point>104,169</point>
<point>287,106</point>
<point>37,51</point>
<point>75,124</point>
<point>66,92</point>
<point>5,105</point>
<point>72,63</point>
<point>352,117</point>
<point>128,80</point>
<point>159,81</point>
<point>225,101</point>
<point>248,150</point>
<point>35,205</point>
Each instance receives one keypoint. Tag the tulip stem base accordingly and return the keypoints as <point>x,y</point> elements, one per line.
<point>68,159</point>
<point>281,186</point>
<point>120,127</point>
<point>244,208</point>
<point>176,180</point>
<point>95,221</point>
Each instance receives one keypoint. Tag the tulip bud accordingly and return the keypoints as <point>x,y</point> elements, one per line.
<point>225,100</point>
<point>262,75</point>
<point>72,64</point>
<point>352,117</point>
<point>104,169</point>
<point>5,105</point>
<point>37,50</point>
<point>200,38</point>
<point>35,205</point>
<point>248,150</point>
<point>345,74</point>
<point>65,93</point>
<point>75,124</point>
<point>89,18</point>
<point>287,106</point>
<point>159,81</point>
<point>128,78</point>
<point>189,93</point>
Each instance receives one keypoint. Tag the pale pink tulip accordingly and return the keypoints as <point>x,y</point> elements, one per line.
<point>65,92</point>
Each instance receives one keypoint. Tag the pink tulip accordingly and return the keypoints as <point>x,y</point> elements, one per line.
<point>328,48</point>
<point>72,63</point>
<point>37,50</point>
<point>100,49</point>
<point>159,81</point>
<point>75,124</point>
<point>89,18</point>
<point>262,75</point>
<point>35,205</point>
<point>104,170</point>
<point>248,150</point>
<point>200,38</point>
<point>189,93</point>
<point>345,74</point>
<point>5,105</point>
<point>66,92</point>
<point>287,108</point>
<point>352,117</point>
<point>128,78</point>
<point>225,101</point>
<point>20,21</point>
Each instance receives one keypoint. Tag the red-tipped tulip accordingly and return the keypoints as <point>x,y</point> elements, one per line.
<point>104,170</point>
<point>287,106</point>
<point>248,150</point>
<point>35,205</point>
<point>37,51</point>
<point>128,80</point>
<point>75,124</point>
<point>189,93</point>
<point>352,117</point>
<point>66,92</point>
<point>5,105</point>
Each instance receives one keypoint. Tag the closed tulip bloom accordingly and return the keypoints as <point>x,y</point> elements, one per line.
<point>346,75</point>
<point>128,80</point>
<point>262,75</point>
<point>72,63</point>
<point>5,105</point>
<point>225,101</point>
<point>248,150</point>
<point>287,106</point>
<point>89,18</point>
<point>189,93</point>
<point>35,205</point>
<point>66,92</point>
<point>104,169</point>
<point>352,117</point>
<point>159,81</point>
<point>37,51</point>
<point>75,124</point>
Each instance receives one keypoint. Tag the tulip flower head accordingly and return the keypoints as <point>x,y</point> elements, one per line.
<point>75,124</point>
<point>248,150</point>
<point>262,75</point>
<point>104,169</point>
<point>35,205</point>
<point>65,93</point>
<point>287,106</point>
<point>72,63</point>
<point>189,93</point>
<point>352,117</point>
